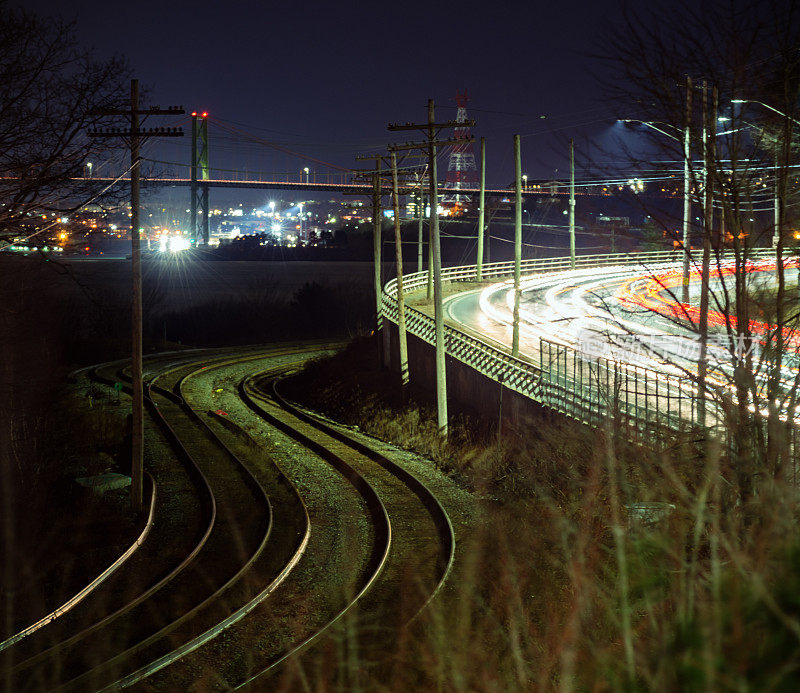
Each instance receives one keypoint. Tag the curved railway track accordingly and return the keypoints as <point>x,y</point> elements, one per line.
<point>41,660</point>
<point>162,595</point>
<point>422,541</point>
<point>241,544</point>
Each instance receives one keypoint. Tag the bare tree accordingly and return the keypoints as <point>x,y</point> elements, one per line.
<point>742,177</point>
<point>49,89</point>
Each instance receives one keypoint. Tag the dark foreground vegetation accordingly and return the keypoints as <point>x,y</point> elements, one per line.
<point>595,564</point>
<point>57,536</point>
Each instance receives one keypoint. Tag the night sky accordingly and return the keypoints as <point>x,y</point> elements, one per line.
<point>325,78</point>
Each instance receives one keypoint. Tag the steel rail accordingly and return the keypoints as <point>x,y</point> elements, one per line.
<point>194,470</point>
<point>200,640</point>
<point>175,396</point>
<point>185,562</point>
<point>438,514</point>
<point>381,524</point>
<point>94,584</point>
<point>188,356</point>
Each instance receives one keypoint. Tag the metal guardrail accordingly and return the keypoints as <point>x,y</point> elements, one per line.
<point>584,388</point>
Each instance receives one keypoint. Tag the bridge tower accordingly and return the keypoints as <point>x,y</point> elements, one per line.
<point>461,170</point>
<point>199,190</point>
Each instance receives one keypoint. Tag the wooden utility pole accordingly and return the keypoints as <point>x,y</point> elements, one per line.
<point>572,203</point>
<point>134,136</point>
<point>432,129</point>
<point>377,241</point>
<point>687,189</point>
<point>401,306</point>
<point>137,384</point>
<point>438,298</point>
<point>481,214</point>
<point>517,245</point>
<point>777,245</point>
<point>709,144</point>
<point>421,210</point>
<point>429,284</point>
<point>378,187</point>
<point>374,177</point>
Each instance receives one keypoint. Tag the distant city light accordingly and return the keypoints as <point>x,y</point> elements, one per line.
<point>177,243</point>
<point>173,244</point>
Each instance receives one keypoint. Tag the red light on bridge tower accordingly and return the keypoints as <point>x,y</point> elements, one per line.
<point>199,174</point>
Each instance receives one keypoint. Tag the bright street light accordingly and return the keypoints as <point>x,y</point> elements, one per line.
<point>687,199</point>
<point>777,229</point>
<point>306,172</point>
<point>767,106</point>
<point>652,125</point>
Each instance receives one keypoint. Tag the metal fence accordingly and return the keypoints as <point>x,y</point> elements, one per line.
<point>588,389</point>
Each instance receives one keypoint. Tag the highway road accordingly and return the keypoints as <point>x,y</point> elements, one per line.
<point>628,314</point>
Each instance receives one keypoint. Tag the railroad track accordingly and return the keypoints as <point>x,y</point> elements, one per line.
<point>421,541</point>
<point>43,654</point>
<point>158,596</point>
<point>246,543</point>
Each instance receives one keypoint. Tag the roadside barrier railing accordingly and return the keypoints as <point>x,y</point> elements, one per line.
<point>589,389</point>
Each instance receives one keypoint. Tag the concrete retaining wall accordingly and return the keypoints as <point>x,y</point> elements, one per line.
<point>468,391</point>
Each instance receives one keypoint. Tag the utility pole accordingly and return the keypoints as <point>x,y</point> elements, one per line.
<point>687,192</point>
<point>432,130</point>
<point>421,210</point>
<point>572,203</point>
<point>137,380</point>
<point>709,144</point>
<point>429,283</point>
<point>375,175</point>
<point>133,137</point>
<point>401,306</point>
<point>517,244</point>
<point>776,233</point>
<point>776,207</point>
<point>481,199</point>
<point>377,239</point>
<point>438,299</point>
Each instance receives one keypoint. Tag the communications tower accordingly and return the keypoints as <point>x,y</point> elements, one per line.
<point>461,171</point>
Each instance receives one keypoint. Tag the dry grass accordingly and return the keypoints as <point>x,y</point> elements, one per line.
<point>596,565</point>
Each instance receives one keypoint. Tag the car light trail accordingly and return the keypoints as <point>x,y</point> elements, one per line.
<point>632,311</point>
